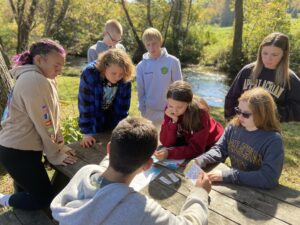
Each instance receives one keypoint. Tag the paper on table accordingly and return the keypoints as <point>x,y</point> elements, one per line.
<point>143,179</point>
<point>192,170</point>
<point>170,163</point>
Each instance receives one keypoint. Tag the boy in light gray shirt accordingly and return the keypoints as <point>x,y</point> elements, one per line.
<point>103,196</point>
<point>112,36</point>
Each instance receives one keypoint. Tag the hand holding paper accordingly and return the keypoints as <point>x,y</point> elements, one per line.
<point>192,171</point>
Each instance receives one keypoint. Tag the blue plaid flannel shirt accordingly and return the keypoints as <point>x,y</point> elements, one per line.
<point>92,119</point>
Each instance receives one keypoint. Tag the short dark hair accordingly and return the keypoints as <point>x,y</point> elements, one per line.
<point>133,142</point>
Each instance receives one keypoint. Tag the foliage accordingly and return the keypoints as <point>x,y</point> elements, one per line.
<point>8,29</point>
<point>193,45</point>
<point>217,48</point>
<point>70,130</point>
<point>260,19</point>
<point>295,46</point>
<point>84,23</point>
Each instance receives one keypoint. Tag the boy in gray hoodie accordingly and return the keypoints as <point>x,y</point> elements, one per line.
<point>94,196</point>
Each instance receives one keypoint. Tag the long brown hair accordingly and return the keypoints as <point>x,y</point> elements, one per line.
<point>263,109</point>
<point>182,91</point>
<point>281,41</point>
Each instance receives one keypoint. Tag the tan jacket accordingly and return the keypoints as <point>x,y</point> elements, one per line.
<point>31,120</point>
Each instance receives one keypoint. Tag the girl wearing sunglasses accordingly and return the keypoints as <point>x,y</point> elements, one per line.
<point>253,143</point>
<point>270,71</point>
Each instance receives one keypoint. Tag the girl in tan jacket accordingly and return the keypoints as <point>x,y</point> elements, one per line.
<point>30,126</point>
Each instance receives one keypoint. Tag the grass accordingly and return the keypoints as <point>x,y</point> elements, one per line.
<point>68,89</point>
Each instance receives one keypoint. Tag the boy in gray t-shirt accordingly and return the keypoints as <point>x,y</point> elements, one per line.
<point>112,36</point>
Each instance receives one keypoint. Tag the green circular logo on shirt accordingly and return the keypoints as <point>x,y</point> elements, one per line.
<point>164,70</point>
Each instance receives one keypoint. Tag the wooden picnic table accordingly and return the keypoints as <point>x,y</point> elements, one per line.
<point>230,204</point>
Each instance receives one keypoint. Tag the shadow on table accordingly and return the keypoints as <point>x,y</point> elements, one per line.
<point>163,186</point>
<point>260,204</point>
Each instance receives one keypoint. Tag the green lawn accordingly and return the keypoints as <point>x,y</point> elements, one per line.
<point>68,89</point>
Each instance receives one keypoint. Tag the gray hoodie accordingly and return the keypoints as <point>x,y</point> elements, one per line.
<point>81,202</point>
<point>153,77</point>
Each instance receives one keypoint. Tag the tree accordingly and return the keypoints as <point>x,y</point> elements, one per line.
<point>4,55</point>
<point>141,48</point>
<point>51,25</point>
<point>5,83</point>
<point>227,15</point>
<point>236,54</point>
<point>177,26</point>
<point>149,13</point>
<point>24,17</point>
<point>260,19</point>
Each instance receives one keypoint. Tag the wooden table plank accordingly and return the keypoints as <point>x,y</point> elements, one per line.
<point>217,219</point>
<point>285,194</point>
<point>230,204</point>
<point>24,217</point>
<point>254,202</point>
<point>7,217</point>
<point>37,217</point>
<point>282,193</point>
<point>261,202</point>
<point>239,212</point>
<point>173,201</point>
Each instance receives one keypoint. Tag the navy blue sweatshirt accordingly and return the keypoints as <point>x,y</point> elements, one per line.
<point>256,156</point>
<point>287,100</point>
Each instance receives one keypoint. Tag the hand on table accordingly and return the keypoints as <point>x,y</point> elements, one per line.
<point>204,182</point>
<point>161,154</point>
<point>87,141</point>
<point>71,157</point>
<point>215,175</point>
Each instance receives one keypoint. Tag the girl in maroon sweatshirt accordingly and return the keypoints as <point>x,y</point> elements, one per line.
<point>187,129</point>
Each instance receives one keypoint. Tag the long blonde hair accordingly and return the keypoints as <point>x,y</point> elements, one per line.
<point>281,41</point>
<point>263,109</point>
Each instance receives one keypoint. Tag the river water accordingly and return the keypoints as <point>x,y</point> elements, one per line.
<point>212,86</point>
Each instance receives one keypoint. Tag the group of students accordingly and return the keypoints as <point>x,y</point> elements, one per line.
<point>262,94</point>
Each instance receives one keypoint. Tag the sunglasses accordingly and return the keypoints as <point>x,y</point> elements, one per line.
<point>238,111</point>
<point>113,40</point>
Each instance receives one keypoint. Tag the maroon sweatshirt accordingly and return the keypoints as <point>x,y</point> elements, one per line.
<point>195,143</point>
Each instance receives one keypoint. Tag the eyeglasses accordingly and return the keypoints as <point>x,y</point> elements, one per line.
<point>238,111</point>
<point>113,40</point>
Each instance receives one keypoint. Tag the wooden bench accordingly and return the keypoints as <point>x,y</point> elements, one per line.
<point>22,217</point>
<point>230,204</point>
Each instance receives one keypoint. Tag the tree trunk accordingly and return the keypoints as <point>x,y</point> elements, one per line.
<point>24,19</point>
<point>188,22</point>
<point>50,5</point>
<point>60,18</point>
<point>177,26</point>
<point>237,54</point>
<point>168,22</point>
<point>6,84</point>
<point>5,56</point>
<point>149,13</point>
<point>141,49</point>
